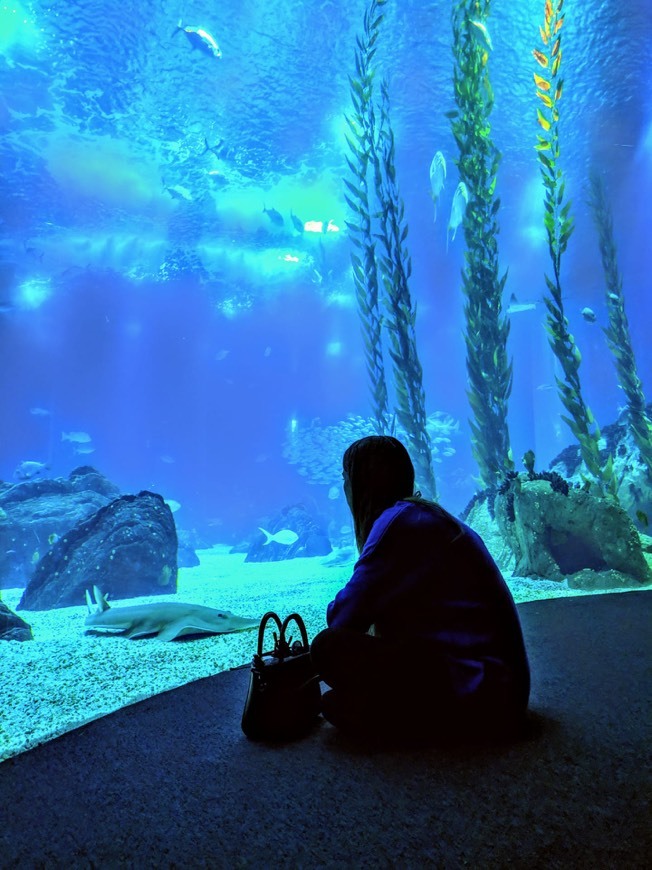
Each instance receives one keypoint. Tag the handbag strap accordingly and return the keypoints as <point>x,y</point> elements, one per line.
<point>270,615</point>
<point>302,629</point>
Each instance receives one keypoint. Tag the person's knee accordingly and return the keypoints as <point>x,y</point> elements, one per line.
<point>320,646</point>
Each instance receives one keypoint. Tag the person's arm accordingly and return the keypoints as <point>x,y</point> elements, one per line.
<point>355,606</point>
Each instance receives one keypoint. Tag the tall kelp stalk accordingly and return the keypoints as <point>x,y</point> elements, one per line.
<point>559,227</point>
<point>489,369</point>
<point>385,276</point>
<point>362,142</point>
<point>402,311</point>
<point>618,335</point>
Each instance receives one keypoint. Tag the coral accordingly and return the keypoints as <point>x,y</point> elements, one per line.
<point>487,330</point>
<point>559,227</point>
<point>618,335</point>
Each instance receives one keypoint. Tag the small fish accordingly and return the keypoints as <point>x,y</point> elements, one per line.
<point>275,216</point>
<point>334,492</point>
<point>460,201</point>
<point>29,469</point>
<point>641,516</point>
<point>518,307</point>
<point>172,504</point>
<point>589,315</point>
<point>39,412</point>
<point>285,537</point>
<point>84,449</point>
<point>76,437</point>
<point>482,34</point>
<point>297,223</point>
<point>221,354</point>
<point>201,39</point>
<point>167,458</point>
<point>437,177</point>
<point>267,351</point>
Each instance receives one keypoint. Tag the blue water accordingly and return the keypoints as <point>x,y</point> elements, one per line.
<point>147,300</point>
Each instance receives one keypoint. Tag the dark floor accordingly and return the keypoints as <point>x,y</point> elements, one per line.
<point>171,781</point>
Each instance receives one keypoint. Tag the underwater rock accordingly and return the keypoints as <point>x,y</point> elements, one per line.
<point>635,490</point>
<point>312,539</point>
<point>128,548</point>
<point>576,536</point>
<point>12,626</point>
<point>34,513</point>
<point>483,521</point>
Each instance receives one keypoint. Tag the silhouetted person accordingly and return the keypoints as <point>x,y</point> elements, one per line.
<point>424,639</point>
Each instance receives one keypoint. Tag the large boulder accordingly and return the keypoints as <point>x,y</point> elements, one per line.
<point>559,532</point>
<point>311,537</point>
<point>34,513</point>
<point>635,481</point>
<point>12,626</point>
<point>127,548</point>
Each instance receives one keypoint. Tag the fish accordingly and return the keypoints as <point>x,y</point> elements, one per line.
<point>29,469</point>
<point>39,412</point>
<point>297,223</point>
<point>200,38</point>
<point>482,33</point>
<point>221,354</point>
<point>285,537</point>
<point>437,177</point>
<point>275,216</point>
<point>460,200</point>
<point>334,492</point>
<point>518,307</point>
<point>589,315</point>
<point>173,504</point>
<point>76,437</point>
<point>642,517</point>
<point>165,619</point>
<point>84,449</point>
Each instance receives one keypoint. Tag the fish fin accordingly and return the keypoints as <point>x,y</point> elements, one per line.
<point>89,603</point>
<point>100,600</point>
<point>267,535</point>
<point>172,630</point>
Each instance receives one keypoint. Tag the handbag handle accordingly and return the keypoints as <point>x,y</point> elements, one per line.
<point>302,629</point>
<point>261,630</point>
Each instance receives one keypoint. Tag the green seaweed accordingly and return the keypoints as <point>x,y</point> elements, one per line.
<point>617,333</point>
<point>371,143</point>
<point>558,223</point>
<point>487,330</point>
<point>362,143</point>
<point>402,311</point>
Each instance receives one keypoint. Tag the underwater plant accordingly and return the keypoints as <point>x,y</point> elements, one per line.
<point>373,148</point>
<point>396,270</point>
<point>361,124</point>
<point>617,333</point>
<point>559,226</point>
<point>487,330</point>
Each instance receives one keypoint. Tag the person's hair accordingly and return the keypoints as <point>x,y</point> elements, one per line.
<point>380,473</point>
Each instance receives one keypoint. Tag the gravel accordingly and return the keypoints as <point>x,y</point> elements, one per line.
<point>65,678</point>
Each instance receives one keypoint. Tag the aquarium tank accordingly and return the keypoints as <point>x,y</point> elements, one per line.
<point>235,238</point>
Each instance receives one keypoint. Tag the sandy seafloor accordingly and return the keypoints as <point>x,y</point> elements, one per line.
<point>64,678</point>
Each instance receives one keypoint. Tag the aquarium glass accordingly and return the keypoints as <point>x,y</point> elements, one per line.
<point>188,308</point>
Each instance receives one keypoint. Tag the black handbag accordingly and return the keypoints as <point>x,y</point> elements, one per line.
<point>283,700</point>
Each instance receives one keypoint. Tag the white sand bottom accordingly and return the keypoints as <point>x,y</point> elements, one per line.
<point>64,678</point>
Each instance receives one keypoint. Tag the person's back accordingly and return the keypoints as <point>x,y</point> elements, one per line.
<point>444,622</point>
